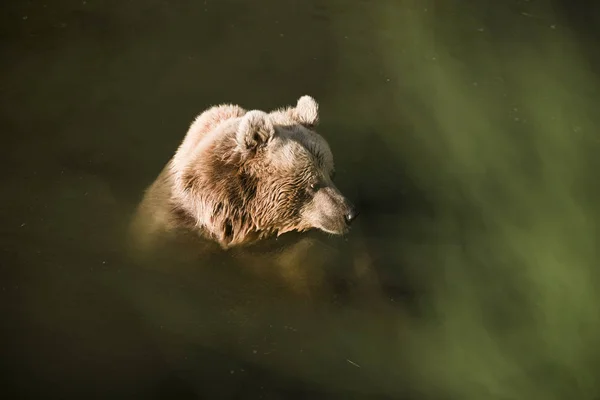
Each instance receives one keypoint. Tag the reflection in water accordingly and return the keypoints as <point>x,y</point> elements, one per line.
<point>467,139</point>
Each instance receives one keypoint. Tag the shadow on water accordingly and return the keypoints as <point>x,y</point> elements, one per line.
<point>438,291</point>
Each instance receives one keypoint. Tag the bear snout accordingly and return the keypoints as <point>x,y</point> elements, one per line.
<point>334,212</point>
<point>343,206</point>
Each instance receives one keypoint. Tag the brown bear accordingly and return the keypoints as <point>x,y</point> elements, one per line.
<point>240,176</point>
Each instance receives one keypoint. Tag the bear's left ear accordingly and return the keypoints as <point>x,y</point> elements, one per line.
<point>307,111</point>
<point>255,129</point>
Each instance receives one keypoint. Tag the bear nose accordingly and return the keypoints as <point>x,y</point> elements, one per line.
<point>351,215</point>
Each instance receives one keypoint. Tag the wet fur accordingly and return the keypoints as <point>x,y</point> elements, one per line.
<point>211,186</point>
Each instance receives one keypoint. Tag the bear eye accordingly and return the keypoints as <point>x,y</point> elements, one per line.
<point>314,186</point>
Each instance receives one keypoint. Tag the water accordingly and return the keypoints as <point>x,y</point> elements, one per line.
<point>465,132</point>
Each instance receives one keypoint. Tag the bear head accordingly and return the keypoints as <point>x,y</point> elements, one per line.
<point>263,174</point>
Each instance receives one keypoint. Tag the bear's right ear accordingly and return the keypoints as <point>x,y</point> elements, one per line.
<point>307,111</point>
<point>255,130</point>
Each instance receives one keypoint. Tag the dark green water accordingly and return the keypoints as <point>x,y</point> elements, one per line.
<point>466,131</point>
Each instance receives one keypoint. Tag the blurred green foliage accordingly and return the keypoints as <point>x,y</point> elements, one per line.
<point>510,130</point>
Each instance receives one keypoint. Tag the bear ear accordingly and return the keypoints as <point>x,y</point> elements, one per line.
<point>255,130</point>
<point>307,111</point>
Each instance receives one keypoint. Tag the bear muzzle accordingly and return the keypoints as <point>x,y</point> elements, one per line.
<point>334,212</point>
